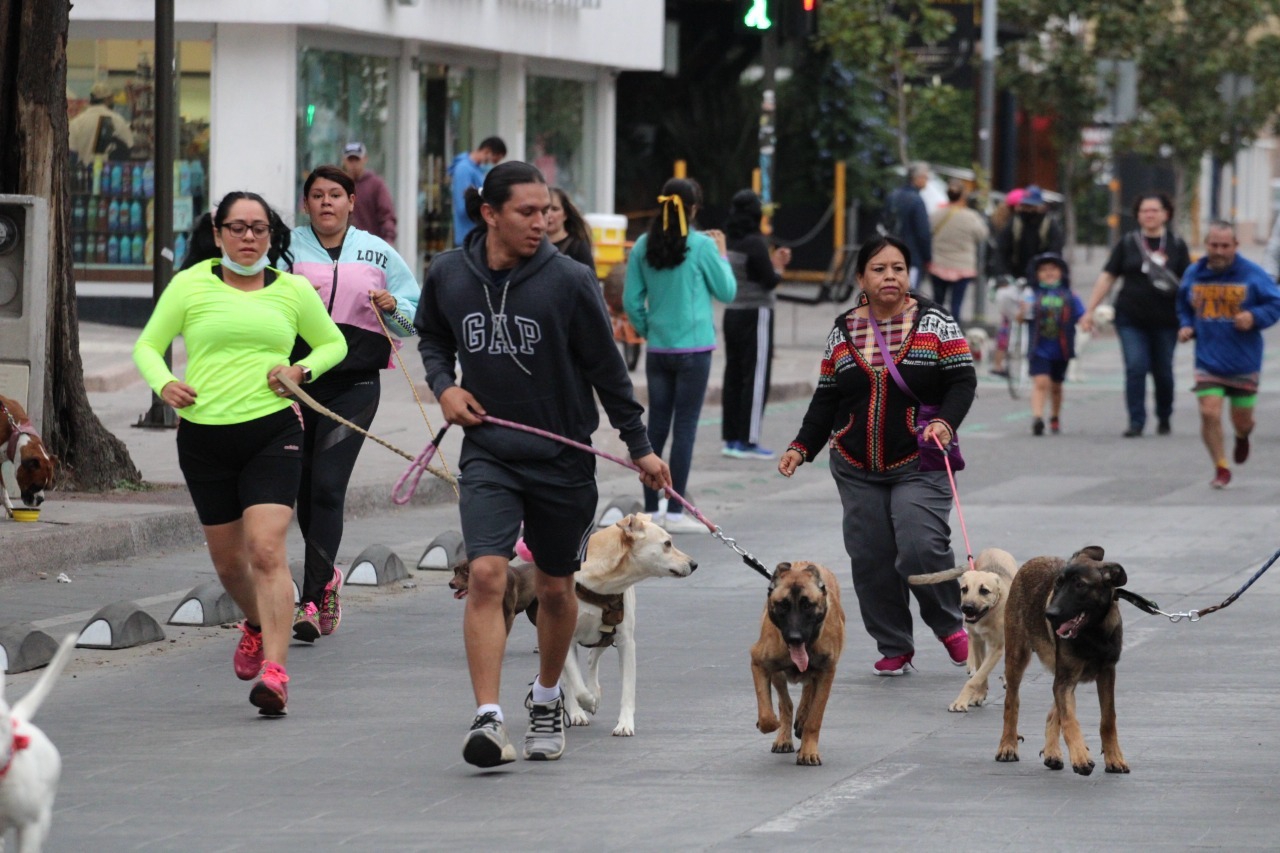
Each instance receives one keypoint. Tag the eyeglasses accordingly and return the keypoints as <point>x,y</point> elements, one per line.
<point>259,229</point>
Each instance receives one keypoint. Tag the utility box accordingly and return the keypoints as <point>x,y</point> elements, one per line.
<point>24,300</point>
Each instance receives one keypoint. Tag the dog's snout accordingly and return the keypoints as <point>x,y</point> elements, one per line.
<point>33,499</point>
<point>693,566</point>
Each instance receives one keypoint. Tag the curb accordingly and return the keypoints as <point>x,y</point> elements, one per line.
<point>64,548</point>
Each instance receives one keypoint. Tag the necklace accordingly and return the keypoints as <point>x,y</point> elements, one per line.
<point>499,318</point>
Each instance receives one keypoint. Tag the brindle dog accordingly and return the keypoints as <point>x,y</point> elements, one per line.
<point>519,596</point>
<point>1066,612</point>
<point>801,637</point>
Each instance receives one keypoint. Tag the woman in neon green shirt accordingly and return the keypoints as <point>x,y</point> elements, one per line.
<point>240,436</point>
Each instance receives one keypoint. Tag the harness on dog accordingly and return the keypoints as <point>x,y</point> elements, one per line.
<point>19,742</point>
<point>16,430</point>
<point>611,613</point>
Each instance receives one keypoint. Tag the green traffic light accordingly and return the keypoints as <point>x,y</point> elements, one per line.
<point>757,16</point>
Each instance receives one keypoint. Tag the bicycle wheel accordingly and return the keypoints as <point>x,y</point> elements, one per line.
<point>1015,360</point>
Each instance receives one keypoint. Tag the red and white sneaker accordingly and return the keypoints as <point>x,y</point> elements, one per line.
<point>270,695</point>
<point>896,665</point>
<point>248,657</point>
<point>331,604</point>
<point>1221,478</point>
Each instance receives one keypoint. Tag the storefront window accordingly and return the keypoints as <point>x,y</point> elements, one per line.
<point>345,97</point>
<point>447,99</point>
<point>111,106</point>
<point>556,133</point>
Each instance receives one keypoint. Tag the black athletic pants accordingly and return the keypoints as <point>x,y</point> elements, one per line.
<point>748,357</point>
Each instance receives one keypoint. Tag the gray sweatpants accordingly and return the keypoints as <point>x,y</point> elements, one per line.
<point>896,525</point>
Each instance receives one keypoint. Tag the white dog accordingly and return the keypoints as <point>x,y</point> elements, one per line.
<point>978,340</point>
<point>30,765</point>
<point>1103,317</point>
<point>618,557</point>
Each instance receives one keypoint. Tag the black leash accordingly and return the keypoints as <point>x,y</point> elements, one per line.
<point>1148,606</point>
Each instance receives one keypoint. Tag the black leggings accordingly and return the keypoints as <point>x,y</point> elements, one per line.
<point>329,452</point>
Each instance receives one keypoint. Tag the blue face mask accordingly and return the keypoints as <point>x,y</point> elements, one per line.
<point>240,269</point>
<point>486,168</point>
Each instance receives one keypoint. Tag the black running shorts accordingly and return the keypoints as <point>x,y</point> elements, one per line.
<point>232,466</point>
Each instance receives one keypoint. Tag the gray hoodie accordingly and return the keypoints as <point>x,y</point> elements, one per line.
<point>554,325</point>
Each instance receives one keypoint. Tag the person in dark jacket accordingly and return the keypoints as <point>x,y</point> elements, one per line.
<point>1032,231</point>
<point>748,328</point>
<point>375,212</point>
<point>529,329</point>
<point>896,510</point>
<point>911,219</point>
<point>1150,260</point>
<point>567,230</point>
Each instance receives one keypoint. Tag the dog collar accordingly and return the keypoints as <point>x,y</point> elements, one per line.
<point>16,430</point>
<point>611,613</point>
<point>19,742</point>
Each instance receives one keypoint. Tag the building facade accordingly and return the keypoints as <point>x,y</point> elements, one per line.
<point>268,90</point>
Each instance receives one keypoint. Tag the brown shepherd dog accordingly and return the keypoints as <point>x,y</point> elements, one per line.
<point>1066,612</point>
<point>801,637</point>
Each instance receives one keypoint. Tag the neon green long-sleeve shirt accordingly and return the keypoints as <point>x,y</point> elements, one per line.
<point>233,339</point>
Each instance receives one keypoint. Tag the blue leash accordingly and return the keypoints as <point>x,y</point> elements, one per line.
<point>1149,606</point>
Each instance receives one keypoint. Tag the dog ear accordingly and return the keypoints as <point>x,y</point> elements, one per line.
<point>1093,552</point>
<point>1114,574</point>
<point>782,569</point>
<point>631,525</point>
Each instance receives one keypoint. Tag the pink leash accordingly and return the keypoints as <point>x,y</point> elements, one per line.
<point>955,495</point>
<point>414,472</point>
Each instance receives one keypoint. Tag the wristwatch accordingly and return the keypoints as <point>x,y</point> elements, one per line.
<point>306,373</point>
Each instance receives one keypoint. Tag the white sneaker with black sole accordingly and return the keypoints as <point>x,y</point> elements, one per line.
<point>487,744</point>
<point>544,741</point>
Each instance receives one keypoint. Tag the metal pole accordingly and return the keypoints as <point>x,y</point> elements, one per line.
<point>768,124</point>
<point>986,136</point>
<point>160,416</point>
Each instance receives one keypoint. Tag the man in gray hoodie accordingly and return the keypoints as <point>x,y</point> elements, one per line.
<point>529,328</point>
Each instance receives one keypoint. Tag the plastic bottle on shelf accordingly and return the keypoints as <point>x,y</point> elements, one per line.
<point>151,214</point>
<point>77,214</point>
<point>149,179</point>
<point>100,250</point>
<point>179,250</point>
<point>138,248</point>
<point>96,186</point>
<point>136,182</point>
<point>91,217</point>
<point>126,249</point>
<point>103,210</point>
<point>117,179</point>
<point>149,249</point>
<point>113,250</point>
<point>77,249</point>
<point>113,216</point>
<point>135,216</point>
<point>184,178</point>
<point>126,181</point>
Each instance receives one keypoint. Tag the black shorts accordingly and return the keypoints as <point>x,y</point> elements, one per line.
<point>232,466</point>
<point>495,498</point>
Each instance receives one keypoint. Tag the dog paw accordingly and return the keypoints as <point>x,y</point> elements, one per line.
<point>579,718</point>
<point>781,746</point>
<point>1053,762</point>
<point>959,707</point>
<point>1117,767</point>
<point>809,759</point>
<point>1007,754</point>
<point>767,724</point>
<point>1083,769</point>
<point>624,729</point>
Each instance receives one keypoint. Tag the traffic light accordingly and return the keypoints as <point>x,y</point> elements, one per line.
<point>757,16</point>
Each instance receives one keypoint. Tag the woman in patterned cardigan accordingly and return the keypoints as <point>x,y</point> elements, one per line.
<point>896,516</point>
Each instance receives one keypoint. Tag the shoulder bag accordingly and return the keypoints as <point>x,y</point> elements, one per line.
<point>931,458</point>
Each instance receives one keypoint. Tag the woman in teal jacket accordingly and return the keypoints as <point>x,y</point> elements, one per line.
<point>672,276</point>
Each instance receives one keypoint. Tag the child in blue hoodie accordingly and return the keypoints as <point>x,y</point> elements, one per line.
<point>1051,311</point>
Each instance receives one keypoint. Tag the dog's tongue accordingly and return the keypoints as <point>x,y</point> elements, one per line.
<point>799,656</point>
<point>1069,628</point>
<point>462,593</point>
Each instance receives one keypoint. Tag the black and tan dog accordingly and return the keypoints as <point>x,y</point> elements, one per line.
<point>21,444</point>
<point>518,598</point>
<point>801,638</point>
<point>1066,613</point>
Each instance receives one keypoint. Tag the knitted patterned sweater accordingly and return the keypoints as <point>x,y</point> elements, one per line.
<point>860,410</point>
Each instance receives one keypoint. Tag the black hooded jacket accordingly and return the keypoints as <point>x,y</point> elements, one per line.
<point>554,325</point>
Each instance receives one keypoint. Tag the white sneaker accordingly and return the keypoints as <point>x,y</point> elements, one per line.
<point>681,523</point>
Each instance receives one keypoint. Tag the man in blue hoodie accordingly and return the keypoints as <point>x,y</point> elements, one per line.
<point>466,171</point>
<point>1225,302</point>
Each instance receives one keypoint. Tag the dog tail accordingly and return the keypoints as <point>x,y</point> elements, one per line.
<point>25,708</point>
<point>937,577</point>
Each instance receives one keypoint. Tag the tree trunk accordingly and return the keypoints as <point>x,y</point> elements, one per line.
<point>34,160</point>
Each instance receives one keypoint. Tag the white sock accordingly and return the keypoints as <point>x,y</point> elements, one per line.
<point>545,695</point>
<point>484,709</point>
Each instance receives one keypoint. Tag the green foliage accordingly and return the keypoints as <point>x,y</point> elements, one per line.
<point>876,38</point>
<point>942,125</point>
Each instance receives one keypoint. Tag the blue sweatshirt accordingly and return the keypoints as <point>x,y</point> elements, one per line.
<point>463,174</point>
<point>671,308</point>
<point>1208,302</point>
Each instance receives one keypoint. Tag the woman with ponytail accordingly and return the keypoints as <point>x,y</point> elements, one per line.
<point>672,275</point>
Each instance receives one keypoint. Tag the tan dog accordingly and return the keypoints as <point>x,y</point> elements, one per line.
<point>1066,612</point>
<point>983,593</point>
<point>618,557</point>
<point>34,465</point>
<point>801,638</point>
<point>519,597</point>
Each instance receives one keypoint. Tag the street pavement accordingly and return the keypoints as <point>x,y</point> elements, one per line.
<point>163,752</point>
